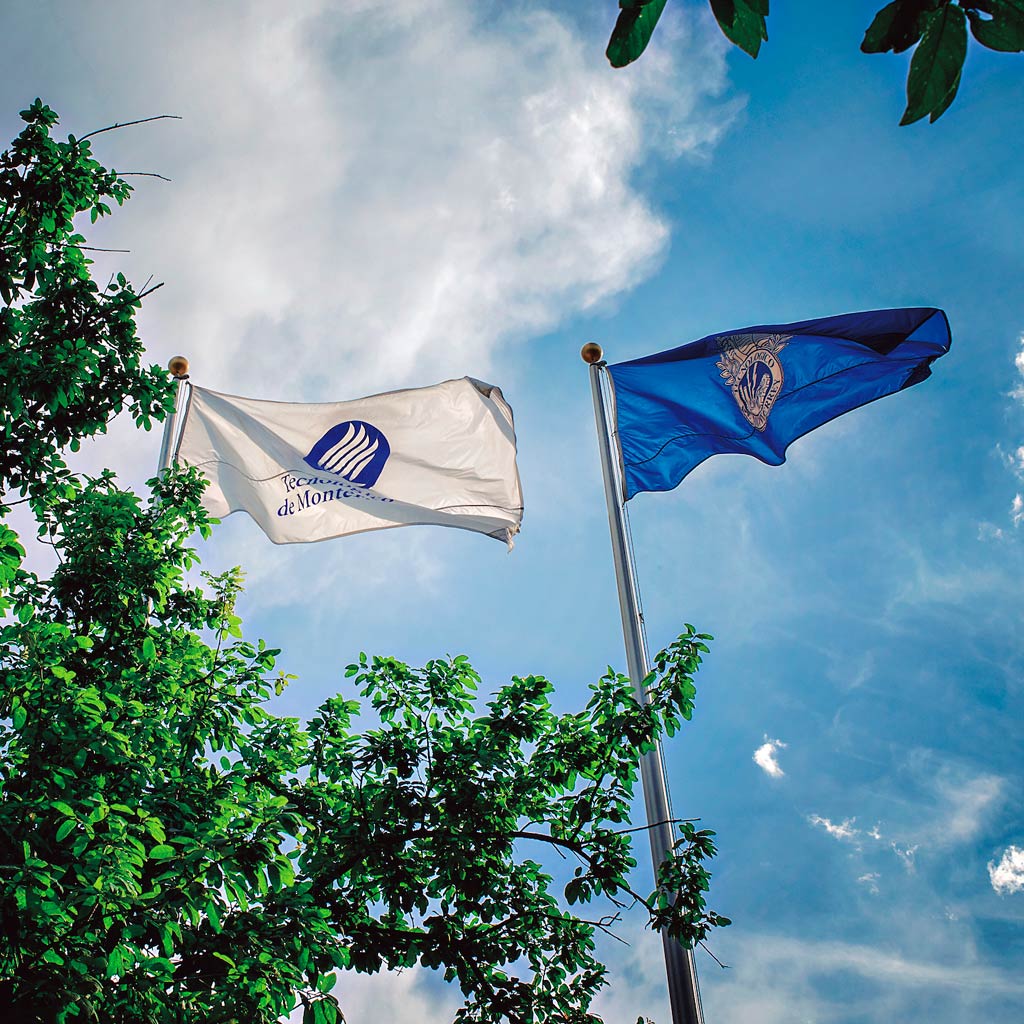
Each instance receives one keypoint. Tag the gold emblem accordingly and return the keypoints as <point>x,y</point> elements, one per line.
<point>751,367</point>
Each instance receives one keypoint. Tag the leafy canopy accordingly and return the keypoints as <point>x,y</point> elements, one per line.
<point>937,28</point>
<point>171,850</point>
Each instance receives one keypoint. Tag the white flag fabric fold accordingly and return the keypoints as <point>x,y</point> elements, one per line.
<point>443,455</point>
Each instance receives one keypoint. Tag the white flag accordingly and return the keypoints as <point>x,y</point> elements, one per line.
<point>443,455</point>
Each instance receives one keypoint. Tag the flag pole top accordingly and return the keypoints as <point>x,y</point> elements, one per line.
<point>591,352</point>
<point>178,365</point>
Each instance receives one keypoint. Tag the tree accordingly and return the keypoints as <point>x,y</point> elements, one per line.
<point>938,28</point>
<point>171,850</point>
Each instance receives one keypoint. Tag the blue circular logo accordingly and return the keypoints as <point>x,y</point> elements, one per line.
<point>354,450</point>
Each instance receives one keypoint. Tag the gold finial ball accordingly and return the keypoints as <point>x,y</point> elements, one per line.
<point>591,352</point>
<point>178,366</point>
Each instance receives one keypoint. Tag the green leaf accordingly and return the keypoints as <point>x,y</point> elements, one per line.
<point>898,26</point>
<point>162,852</point>
<point>115,965</point>
<point>936,65</point>
<point>65,830</point>
<point>148,649</point>
<point>214,915</point>
<point>632,32</point>
<point>741,23</point>
<point>944,105</point>
<point>1004,30</point>
<point>19,716</point>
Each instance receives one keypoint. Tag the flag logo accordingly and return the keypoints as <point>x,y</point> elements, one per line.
<point>354,450</point>
<point>751,367</point>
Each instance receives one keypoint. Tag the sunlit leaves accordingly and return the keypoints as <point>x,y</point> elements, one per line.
<point>173,849</point>
<point>69,354</point>
<point>184,850</point>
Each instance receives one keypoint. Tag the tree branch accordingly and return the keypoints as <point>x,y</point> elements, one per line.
<point>128,124</point>
<point>141,174</point>
<point>703,946</point>
<point>584,855</point>
<point>653,824</point>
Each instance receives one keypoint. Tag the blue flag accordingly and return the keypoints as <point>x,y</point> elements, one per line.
<point>755,391</point>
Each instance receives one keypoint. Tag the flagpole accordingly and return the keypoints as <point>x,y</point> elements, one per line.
<point>684,994</point>
<point>178,366</point>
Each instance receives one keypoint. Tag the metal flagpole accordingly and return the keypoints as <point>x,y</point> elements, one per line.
<point>684,993</point>
<point>178,365</point>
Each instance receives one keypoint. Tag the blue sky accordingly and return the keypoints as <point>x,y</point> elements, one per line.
<point>365,200</point>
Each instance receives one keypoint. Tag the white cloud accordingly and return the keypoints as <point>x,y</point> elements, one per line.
<point>1017,459</point>
<point>931,580</point>
<point>776,979</point>
<point>950,804</point>
<point>1007,876</point>
<point>764,757</point>
<point>989,531</point>
<point>844,830</point>
<point>947,804</point>
<point>354,210</point>
<point>969,803</point>
<point>408,995</point>
<point>870,881</point>
<point>906,855</point>
<point>340,225</point>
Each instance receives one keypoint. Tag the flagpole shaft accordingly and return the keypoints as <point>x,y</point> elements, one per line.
<point>179,369</point>
<point>684,994</point>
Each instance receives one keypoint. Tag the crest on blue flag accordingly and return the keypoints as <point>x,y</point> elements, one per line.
<point>354,450</point>
<point>751,367</point>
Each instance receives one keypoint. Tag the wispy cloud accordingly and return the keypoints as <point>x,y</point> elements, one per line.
<point>1018,361</point>
<point>844,830</point>
<point>765,759</point>
<point>906,855</point>
<point>960,801</point>
<point>1007,875</point>
<point>1016,460</point>
<point>780,980</point>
